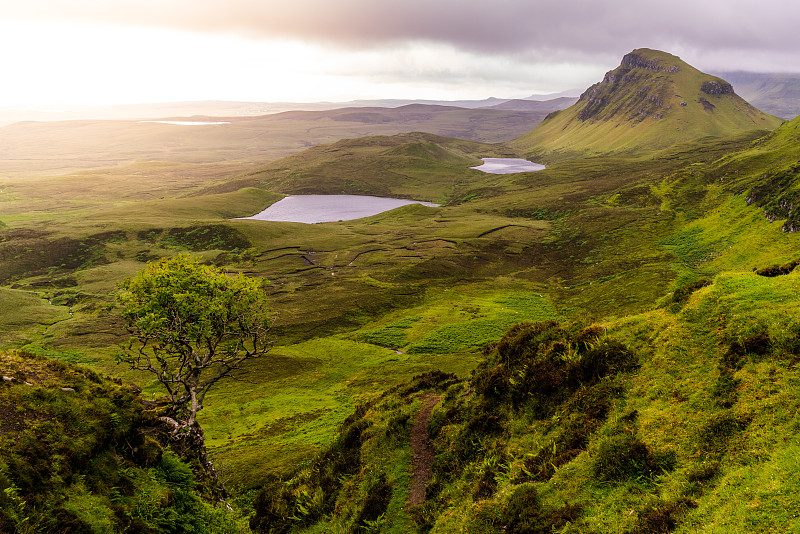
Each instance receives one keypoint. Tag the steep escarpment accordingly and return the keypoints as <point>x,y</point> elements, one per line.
<point>651,101</point>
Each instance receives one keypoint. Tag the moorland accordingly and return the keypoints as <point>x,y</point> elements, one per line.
<point>606,345</point>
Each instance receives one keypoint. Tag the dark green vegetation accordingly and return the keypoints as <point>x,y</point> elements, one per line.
<point>82,453</point>
<point>663,422</point>
<point>650,387</point>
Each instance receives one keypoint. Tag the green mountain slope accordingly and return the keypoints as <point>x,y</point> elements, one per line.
<point>653,100</point>
<point>662,419</point>
<point>663,422</point>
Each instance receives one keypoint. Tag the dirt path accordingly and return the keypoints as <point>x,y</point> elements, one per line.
<point>422,459</point>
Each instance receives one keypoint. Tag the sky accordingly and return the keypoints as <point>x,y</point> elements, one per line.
<point>101,52</point>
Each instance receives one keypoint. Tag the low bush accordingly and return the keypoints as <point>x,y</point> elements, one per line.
<point>524,514</point>
<point>378,496</point>
<point>661,517</point>
<point>623,456</point>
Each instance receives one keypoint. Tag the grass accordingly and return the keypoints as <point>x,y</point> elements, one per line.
<point>664,456</point>
<point>78,452</point>
<point>314,386</point>
<point>435,282</point>
<point>24,315</point>
<point>605,239</point>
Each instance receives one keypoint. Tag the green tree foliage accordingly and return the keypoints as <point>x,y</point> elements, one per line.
<point>191,326</point>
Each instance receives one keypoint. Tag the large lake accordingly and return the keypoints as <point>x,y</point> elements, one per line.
<point>508,165</point>
<point>329,208</point>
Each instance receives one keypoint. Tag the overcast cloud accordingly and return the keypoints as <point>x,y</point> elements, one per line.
<point>562,27</point>
<point>524,36</point>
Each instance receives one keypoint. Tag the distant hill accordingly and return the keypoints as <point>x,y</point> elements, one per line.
<point>218,108</point>
<point>775,93</point>
<point>414,165</point>
<point>653,100</point>
<point>554,104</point>
<point>27,146</point>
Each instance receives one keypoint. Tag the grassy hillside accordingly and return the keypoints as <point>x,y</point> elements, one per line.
<point>82,453</point>
<point>653,100</point>
<point>661,422</point>
<point>586,238</point>
<point>415,165</point>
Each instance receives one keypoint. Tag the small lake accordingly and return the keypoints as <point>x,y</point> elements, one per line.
<point>508,165</point>
<point>329,208</point>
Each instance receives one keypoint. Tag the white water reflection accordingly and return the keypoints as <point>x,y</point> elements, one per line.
<point>508,165</point>
<point>329,208</point>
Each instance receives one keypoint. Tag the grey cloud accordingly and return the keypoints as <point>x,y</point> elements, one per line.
<point>551,29</point>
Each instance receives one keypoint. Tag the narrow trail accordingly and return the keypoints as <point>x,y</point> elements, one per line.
<point>422,459</point>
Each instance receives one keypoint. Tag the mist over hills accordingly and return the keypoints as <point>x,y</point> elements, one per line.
<point>66,145</point>
<point>215,108</point>
<point>775,93</point>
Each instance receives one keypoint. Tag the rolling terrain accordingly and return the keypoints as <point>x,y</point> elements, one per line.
<point>652,384</point>
<point>82,144</point>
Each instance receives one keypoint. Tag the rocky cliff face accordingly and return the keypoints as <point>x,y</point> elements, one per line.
<point>717,87</point>
<point>636,61</point>
<point>639,88</point>
<point>631,91</point>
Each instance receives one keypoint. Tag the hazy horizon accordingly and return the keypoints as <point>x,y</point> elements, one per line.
<point>91,53</point>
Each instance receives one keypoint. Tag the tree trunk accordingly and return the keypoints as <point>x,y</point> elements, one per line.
<point>189,442</point>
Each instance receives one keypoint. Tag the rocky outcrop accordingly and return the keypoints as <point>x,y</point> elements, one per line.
<point>612,97</point>
<point>635,61</point>
<point>717,87</point>
<point>708,106</point>
<point>646,101</point>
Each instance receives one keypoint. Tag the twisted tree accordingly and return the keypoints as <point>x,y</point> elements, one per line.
<point>192,325</point>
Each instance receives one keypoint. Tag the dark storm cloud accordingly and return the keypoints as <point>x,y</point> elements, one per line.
<point>547,30</point>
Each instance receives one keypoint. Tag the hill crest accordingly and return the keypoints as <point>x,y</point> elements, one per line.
<point>651,101</point>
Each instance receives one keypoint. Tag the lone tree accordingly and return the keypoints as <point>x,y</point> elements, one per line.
<point>191,325</point>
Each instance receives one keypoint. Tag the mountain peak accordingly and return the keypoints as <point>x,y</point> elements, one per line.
<point>654,60</point>
<point>650,101</point>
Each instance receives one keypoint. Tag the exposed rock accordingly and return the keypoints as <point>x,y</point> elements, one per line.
<point>635,61</point>
<point>708,106</point>
<point>717,87</point>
